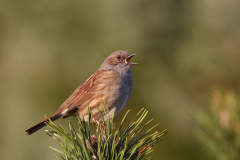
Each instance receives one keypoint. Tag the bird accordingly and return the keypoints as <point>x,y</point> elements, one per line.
<point>111,83</point>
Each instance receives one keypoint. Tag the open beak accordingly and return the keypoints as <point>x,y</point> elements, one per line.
<point>127,60</point>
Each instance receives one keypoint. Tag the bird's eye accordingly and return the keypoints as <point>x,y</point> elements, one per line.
<point>118,57</point>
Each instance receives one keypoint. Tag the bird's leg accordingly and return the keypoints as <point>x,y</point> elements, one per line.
<point>96,122</point>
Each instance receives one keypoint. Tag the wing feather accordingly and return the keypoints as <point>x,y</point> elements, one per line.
<point>91,90</point>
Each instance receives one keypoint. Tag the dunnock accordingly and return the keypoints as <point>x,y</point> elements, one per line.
<point>112,83</point>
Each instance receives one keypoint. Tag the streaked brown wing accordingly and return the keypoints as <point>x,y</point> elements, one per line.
<point>91,89</point>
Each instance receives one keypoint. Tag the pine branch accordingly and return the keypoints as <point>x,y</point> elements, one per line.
<point>219,127</point>
<point>129,143</point>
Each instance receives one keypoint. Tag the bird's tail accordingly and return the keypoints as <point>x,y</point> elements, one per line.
<point>41,124</point>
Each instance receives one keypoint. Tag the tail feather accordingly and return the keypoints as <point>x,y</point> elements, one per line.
<point>41,124</point>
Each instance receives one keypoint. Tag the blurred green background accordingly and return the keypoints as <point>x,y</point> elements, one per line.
<point>49,47</point>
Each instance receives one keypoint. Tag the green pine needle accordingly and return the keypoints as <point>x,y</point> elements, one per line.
<point>129,143</point>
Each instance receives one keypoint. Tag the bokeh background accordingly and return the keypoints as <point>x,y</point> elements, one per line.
<point>47,48</point>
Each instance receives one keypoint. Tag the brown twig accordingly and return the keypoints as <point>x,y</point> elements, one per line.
<point>140,152</point>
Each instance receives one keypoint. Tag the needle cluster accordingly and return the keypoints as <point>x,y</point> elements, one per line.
<point>132,143</point>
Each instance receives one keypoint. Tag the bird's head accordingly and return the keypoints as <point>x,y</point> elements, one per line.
<point>119,61</point>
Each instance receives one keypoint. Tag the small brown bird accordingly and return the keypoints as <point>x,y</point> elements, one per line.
<point>112,84</point>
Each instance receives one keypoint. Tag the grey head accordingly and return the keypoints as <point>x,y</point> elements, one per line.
<point>118,61</point>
